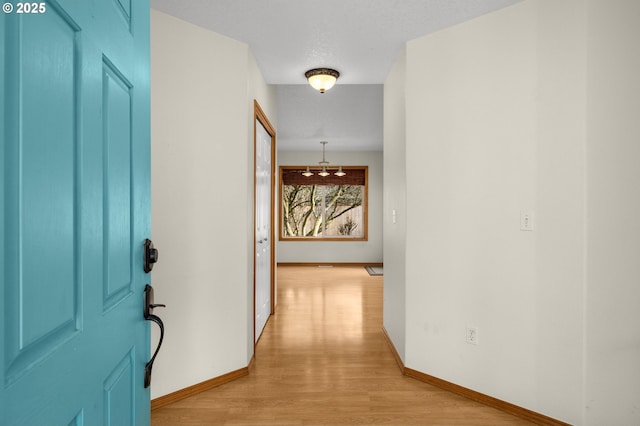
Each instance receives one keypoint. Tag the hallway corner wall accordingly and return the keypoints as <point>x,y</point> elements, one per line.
<point>202,221</point>
<point>394,204</point>
<point>613,200</point>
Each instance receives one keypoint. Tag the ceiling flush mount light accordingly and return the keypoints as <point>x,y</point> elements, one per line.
<point>324,165</point>
<point>322,79</point>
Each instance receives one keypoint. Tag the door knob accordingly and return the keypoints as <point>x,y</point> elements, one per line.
<point>150,255</point>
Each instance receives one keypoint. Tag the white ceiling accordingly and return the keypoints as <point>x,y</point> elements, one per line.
<point>359,38</point>
<point>350,119</point>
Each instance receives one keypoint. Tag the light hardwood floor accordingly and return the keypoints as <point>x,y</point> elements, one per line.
<point>323,360</point>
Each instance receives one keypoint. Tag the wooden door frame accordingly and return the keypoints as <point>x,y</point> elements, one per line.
<point>260,116</point>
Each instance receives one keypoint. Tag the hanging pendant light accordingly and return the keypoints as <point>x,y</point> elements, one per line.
<point>322,79</point>
<point>324,172</point>
<point>324,164</point>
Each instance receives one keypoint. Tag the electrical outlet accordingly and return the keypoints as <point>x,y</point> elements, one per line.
<point>526,221</point>
<point>472,335</point>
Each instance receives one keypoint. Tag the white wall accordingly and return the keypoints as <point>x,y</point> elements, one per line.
<point>395,182</point>
<point>471,167</point>
<point>560,210</point>
<point>202,134</point>
<point>531,108</point>
<point>613,203</point>
<point>339,252</point>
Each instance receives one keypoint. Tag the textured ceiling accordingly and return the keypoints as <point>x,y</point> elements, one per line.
<point>359,38</point>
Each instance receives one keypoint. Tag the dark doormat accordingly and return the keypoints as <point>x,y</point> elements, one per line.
<point>374,271</point>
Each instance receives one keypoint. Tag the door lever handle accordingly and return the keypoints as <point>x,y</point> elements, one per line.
<point>149,316</point>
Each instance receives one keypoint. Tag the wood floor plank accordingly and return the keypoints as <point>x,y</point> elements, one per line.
<point>323,360</point>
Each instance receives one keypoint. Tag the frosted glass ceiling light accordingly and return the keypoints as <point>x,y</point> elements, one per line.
<point>322,79</point>
<point>340,172</point>
<point>307,172</point>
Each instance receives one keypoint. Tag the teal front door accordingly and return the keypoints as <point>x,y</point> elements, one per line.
<point>74,185</point>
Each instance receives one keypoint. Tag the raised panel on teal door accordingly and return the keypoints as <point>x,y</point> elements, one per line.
<point>41,197</point>
<point>116,140</point>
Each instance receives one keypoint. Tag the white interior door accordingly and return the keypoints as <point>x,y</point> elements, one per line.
<point>263,242</point>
